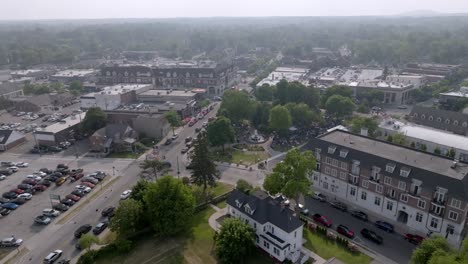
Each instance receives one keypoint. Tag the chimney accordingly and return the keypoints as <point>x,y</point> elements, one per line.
<point>364,131</point>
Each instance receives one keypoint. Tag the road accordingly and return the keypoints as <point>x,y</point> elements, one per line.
<point>394,246</point>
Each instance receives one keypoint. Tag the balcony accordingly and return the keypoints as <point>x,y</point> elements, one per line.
<point>434,212</point>
<point>353,182</point>
<point>414,194</point>
<point>439,201</point>
<point>374,179</point>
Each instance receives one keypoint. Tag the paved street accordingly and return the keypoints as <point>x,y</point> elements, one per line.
<point>394,246</point>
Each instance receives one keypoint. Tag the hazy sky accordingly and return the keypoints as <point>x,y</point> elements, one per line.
<point>74,9</point>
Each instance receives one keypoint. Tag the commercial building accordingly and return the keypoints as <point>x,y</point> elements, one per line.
<point>451,98</point>
<point>417,81</point>
<point>394,93</point>
<point>70,75</point>
<point>36,74</point>
<point>358,74</point>
<point>10,139</point>
<point>126,73</point>
<point>145,121</point>
<point>42,102</point>
<point>163,96</point>
<point>286,73</point>
<point>420,191</point>
<point>112,97</point>
<point>426,138</point>
<point>60,131</point>
<point>432,72</point>
<point>451,121</point>
<point>277,230</point>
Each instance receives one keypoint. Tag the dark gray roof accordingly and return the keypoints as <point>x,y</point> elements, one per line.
<point>265,210</point>
<point>427,167</point>
<point>418,111</point>
<point>8,136</point>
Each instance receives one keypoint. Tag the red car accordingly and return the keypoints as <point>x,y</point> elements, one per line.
<point>17,191</point>
<point>88,184</point>
<point>77,176</point>
<point>40,188</point>
<point>30,182</point>
<point>345,231</point>
<point>73,197</point>
<point>414,239</point>
<point>321,219</point>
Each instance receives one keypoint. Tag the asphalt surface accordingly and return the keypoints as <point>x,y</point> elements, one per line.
<point>394,246</point>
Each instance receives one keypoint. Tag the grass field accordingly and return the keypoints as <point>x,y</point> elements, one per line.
<point>327,249</point>
<point>240,157</point>
<point>221,204</point>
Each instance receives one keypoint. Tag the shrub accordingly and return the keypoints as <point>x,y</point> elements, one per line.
<point>88,257</point>
<point>123,245</point>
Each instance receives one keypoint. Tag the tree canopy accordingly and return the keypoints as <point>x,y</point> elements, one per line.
<point>220,132</point>
<point>127,218</point>
<point>359,122</point>
<point>234,242</point>
<point>204,171</point>
<point>237,105</point>
<point>335,90</point>
<point>436,250</point>
<point>95,119</point>
<point>340,106</point>
<point>87,240</point>
<point>302,115</point>
<point>280,119</point>
<point>154,166</point>
<point>173,118</point>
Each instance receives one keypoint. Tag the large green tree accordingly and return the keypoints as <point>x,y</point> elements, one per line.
<point>261,115</point>
<point>237,105</point>
<point>301,114</point>
<point>429,246</point>
<point>139,190</point>
<point>170,206</point>
<point>87,240</point>
<point>95,119</point>
<point>265,93</point>
<point>340,106</point>
<point>127,218</point>
<point>234,242</point>
<point>154,166</point>
<point>280,119</point>
<point>174,119</point>
<point>291,176</point>
<point>76,87</point>
<point>335,90</point>
<point>220,132</point>
<point>204,171</point>
<point>359,122</point>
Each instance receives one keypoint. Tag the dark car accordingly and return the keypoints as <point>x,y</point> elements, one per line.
<point>184,150</point>
<point>60,207</point>
<point>387,227</point>
<point>64,261</point>
<point>4,200</point>
<point>99,228</point>
<point>77,176</point>
<point>98,176</point>
<point>359,215</point>
<point>73,197</point>
<point>339,205</point>
<point>75,171</point>
<point>82,230</point>
<point>78,193</point>
<point>345,231</point>
<point>17,191</point>
<point>55,149</point>
<point>40,188</point>
<point>109,211</point>
<point>168,142</point>
<point>414,239</point>
<point>371,235</point>
<point>9,206</point>
<point>30,182</point>
<point>9,195</point>
<point>67,202</point>
<point>45,183</point>
<point>19,201</point>
<point>321,219</point>
<point>63,171</point>
<point>46,170</point>
<point>4,211</point>
<point>24,186</point>
<point>51,178</point>
<point>188,139</point>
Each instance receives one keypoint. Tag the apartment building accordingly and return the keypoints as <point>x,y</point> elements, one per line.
<point>424,192</point>
<point>277,230</point>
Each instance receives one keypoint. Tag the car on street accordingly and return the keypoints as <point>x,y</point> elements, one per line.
<point>321,219</point>
<point>414,239</point>
<point>18,201</point>
<point>60,207</point>
<point>83,188</point>
<point>184,150</point>
<point>55,149</point>
<point>371,235</point>
<point>319,196</point>
<point>82,230</point>
<point>26,196</point>
<point>339,205</point>
<point>73,197</point>
<point>168,142</point>
<point>174,137</point>
<point>9,195</point>
<point>108,211</point>
<point>22,164</point>
<point>387,227</point>
<point>67,202</point>
<point>34,177</point>
<point>45,170</point>
<point>345,231</point>
<point>125,194</point>
<point>9,206</point>
<point>4,211</point>
<point>53,256</point>
<point>42,220</point>
<point>2,177</point>
<point>88,184</point>
<point>40,188</point>
<point>188,139</point>
<point>359,215</point>
<point>99,228</point>
<point>11,242</point>
<point>50,212</point>
<point>17,191</point>
<point>24,186</point>
<point>303,209</point>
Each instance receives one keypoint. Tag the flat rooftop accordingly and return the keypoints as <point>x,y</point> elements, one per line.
<point>379,84</point>
<point>69,121</point>
<point>406,76</point>
<point>25,72</point>
<point>361,74</point>
<point>455,94</point>
<point>74,73</point>
<point>118,89</point>
<point>396,153</point>
<point>163,93</point>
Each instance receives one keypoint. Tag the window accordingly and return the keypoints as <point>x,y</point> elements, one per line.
<point>343,175</point>
<point>430,118</point>
<point>343,153</point>
<point>334,188</point>
<point>328,160</point>
<point>352,191</point>
<point>402,185</point>
<point>415,115</point>
<point>404,172</point>
<point>272,230</point>
<point>391,193</point>
<point>355,168</point>
<point>344,166</point>
<point>422,204</point>
<point>317,153</point>
<point>379,189</point>
<point>276,251</point>
<point>256,239</point>
<point>295,233</point>
<point>455,123</point>
<point>315,177</point>
<point>388,180</point>
<point>365,184</point>
<point>423,116</point>
<point>390,167</point>
<point>266,244</point>
<point>456,203</point>
<point>439,119</point>
<point>404,197</point>
<point>334,172</point>
<point>389,205</point>
<point>453,216</point>
<point>419,217</point>
<point>447,121</point>
<point>325,185</point>
<point>255,225</point>
<point>434,222</point>
<point>354,179</point>
<point>377,201</point>
<point>327,171</point>
<point>335,162</point>
<point>464,124</point>
<point>364,196</point>
<point>331,149</point>
<point>450,229</point>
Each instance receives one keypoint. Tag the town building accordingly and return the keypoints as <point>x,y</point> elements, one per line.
<point>42,102</point>
<point>426,138</point>
<point>451,98</point>
<point>420,191</point>
<point>10,90</point>
<point>112,97</point>
<point>394,93</point>
<point>358,74</point>
<point>60,131</point>
<point>175,96</point>
<point>145,121</point>
<point>277,230</point>
<point>113,138</point>
<point>70,75</point>
<point>125,73</point>
<point>36,74</point>
<point>10,139</point>
<point>5,75</point>
<point>286,73</point>
<point>432,72</point>
<point>451,121</point>
<point>417,81</point>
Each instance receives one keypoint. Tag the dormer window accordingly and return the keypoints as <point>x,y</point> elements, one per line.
<point>405,171</point>
<point>423,116</point>
<point>447,121</point>
<point>455,123</point>
<point>331,149</point>
<point>439,119</point>
<point>317,153</point>
<point>390,167</point>
<point>238,203</point>
<point>431,118</point>
<point>415,115</point>
<point>248,210</point>
<point>465,124</point>
<point>343,153</point>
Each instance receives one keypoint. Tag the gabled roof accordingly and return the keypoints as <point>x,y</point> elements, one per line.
<point>264,211</point>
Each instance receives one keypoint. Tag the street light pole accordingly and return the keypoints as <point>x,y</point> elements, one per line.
<point>113,170</point>
<point>178,169</point>
<point>37,145</point>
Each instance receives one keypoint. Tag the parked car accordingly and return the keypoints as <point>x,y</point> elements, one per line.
<point>64,261</point>
<point>4,211</point>
<point>53,256</point>
<point>99,228</point>
<point>371,235</point>
<point>88,184</point>
<point>60,207</point>
<point>22,164</point>
<point>108,212</point>
<point>24,186</point>
<point>387,227</point>
<point>184,150</point>
<point>83,188</point>
<point>6,172</point>
<point>2,177</point>
<point>319,196</point>
<point>90,179</point>
<point>73,197</point>
<point>67,202</point>
<point>82,230</point>
<point>17,191</point>
<point>359,215</point>
<point>26,196</point>
<point>34,177</point>
<point>78,193</point>
<point>188,139</point>
<point>18,201</point>
<point>42,220</point>
<point>46,170</point>
<point>303,209</point>
<point>50,212</point>
<point>60,181</point>
<point>345,231</point>
<point>30,182</point>
<point>75,171</point>
<point>125,194</point>
<point>13,168</point>
<point>168,141</point>
<point>4,200</point>
<point>11,242</point>
<point>174,137</point>
<point>9,195</point>
<point>39,188</point>
<point>76,176</point>
<point>414,239</point>
<point>321,219</point>
<point>55,149</point>
<point>9,206</point>
<point>45,183</point>
<point>6,163</point>
<point>339,205</point>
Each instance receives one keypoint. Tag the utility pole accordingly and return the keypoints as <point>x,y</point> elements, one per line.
<point>178,169</point>
<point>37,145</point>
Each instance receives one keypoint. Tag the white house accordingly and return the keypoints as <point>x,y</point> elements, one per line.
<point>277,230</point>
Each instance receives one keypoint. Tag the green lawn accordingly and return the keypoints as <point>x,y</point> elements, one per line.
<point>124,155</point>
<point>328,249</point>
<point>221,204</point>
<point>240,157</point>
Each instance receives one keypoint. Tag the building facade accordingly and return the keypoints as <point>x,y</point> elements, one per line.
<point>394,93</point>
<point>112,97</point>
<point>417,81</point>
<point>451,121</point>
<point>420,191</point>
